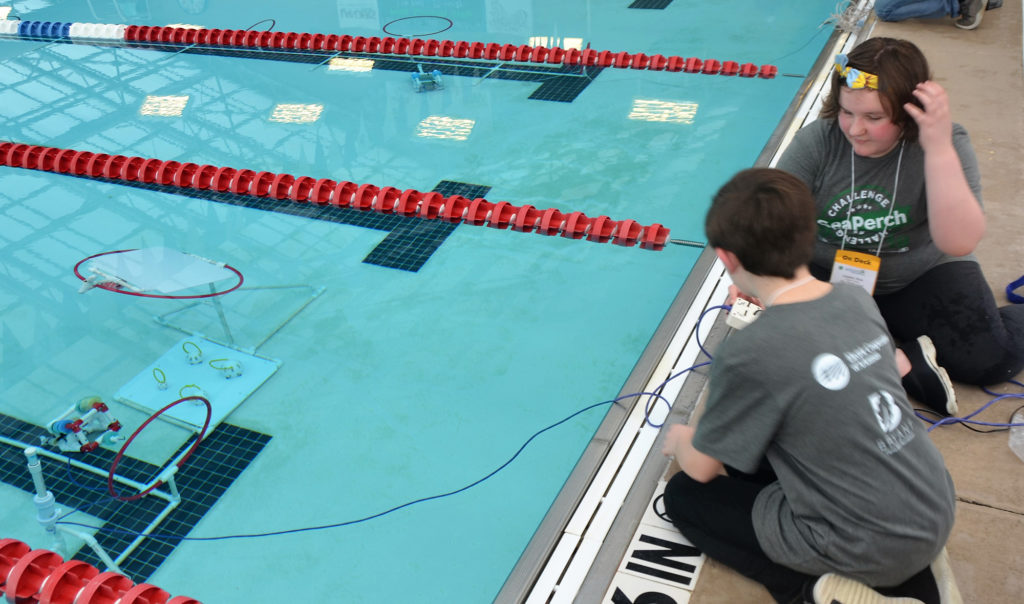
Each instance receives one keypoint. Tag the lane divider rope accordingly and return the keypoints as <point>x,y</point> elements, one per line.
<point>324,191</point>
<point>278,40</point>
<point>39,575</point>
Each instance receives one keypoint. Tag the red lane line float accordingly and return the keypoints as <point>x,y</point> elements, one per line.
<point>104,588</point>
<point>444,48</point>
<point>66,581</point>
<point>149,169</point>
<point>11,550</point>
<point>144,593</point>
<point>301,188</point>
<point>501,215</point>
<point>454,209</point>
<point>28,576</point>
<point>204,176</point>
<point>343,193</point>
<point>627,233</point>
<point>431,205</point>
<point>748,70</point>
<point>321,193</point>
<point>408,202</point>
<point>526,219</point>
<point>576,225</point>
<point>654,237</point>
<point>601,229</point>
<point>165,174</point>
<point>281,185</point>
<point>551,222</point>
<point>222,179</point>
<point>364,197</point>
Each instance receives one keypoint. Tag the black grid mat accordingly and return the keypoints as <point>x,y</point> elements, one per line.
<point>217,462</point>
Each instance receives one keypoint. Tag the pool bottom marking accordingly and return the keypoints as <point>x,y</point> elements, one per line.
<point>653,4</point>
<point>225,454</point>
<point>410,241</point>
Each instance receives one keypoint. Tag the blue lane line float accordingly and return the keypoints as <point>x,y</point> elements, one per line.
<point>62,30</point>
<point>38,29</point>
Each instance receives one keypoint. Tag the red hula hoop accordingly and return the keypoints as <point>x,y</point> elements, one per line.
<point>118,290</point>
<point>117,459</point>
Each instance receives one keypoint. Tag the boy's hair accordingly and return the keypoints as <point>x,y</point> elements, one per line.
<point>900,67</point>
<point>766,217</point>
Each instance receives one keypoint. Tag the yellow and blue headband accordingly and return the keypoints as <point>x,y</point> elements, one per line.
<point>855,78</point>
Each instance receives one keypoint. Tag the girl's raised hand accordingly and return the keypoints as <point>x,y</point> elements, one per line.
<point>934,121</point>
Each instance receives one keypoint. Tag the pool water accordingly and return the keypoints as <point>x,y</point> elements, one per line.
<point>395,383</point>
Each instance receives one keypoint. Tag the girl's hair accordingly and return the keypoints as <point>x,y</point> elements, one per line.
<point>900,67</point>
<point>767,218</point>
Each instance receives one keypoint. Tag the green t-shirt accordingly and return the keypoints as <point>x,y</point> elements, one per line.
<point>820,156</point>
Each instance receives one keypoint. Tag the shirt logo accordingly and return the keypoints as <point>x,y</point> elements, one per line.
<point>861,218</point>
<point>830,371</point>
<point>886,411</point>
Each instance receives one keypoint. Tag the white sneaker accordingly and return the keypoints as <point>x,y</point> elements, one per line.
<point>831,588</point>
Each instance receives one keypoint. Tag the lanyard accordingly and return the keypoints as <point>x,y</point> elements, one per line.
<point>892,203</point>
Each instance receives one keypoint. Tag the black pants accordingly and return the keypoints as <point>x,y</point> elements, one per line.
<point>976,342</point>
<point>716,517</point>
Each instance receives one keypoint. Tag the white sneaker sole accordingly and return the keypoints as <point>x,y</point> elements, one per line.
<point>928,350</point>
<point>836,589</point>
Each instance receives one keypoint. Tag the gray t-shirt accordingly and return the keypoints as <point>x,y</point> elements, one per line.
<point>820,156</point>
<point>813,387</point>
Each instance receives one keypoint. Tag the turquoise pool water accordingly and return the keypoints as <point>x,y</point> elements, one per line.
<point>394,385</point>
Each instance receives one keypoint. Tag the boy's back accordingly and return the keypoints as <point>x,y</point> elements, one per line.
<point>812,386</point>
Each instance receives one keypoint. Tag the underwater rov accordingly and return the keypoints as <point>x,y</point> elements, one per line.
<point>83,427</point>
<point>423,81</point>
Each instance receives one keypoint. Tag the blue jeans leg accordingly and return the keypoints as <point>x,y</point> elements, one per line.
<point>898,10</point>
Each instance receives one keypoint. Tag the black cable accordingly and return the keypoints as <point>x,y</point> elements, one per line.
<point>273,24</point>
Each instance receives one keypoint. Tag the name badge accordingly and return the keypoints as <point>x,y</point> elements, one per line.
<point>856,268</point>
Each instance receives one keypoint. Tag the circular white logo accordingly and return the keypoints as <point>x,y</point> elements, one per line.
<point>830,371</point>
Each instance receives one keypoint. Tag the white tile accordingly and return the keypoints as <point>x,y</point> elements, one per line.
<point>654,507</point>
<point>548,580</point>
<point>628,589</point>
<point>662,556</point>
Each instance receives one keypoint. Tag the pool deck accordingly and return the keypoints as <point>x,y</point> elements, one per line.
<point>982,72</point>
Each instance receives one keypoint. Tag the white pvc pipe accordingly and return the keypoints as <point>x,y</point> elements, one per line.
<point>64,459</point>
<point>146,531</point>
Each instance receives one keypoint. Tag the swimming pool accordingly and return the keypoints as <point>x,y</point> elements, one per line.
<point>408,361</point>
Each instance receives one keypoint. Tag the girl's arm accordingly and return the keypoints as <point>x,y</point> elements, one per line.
<point>955,218</point>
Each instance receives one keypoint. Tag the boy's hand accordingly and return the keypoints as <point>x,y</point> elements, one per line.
<point>734,292</point>
<point>678,434</point>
